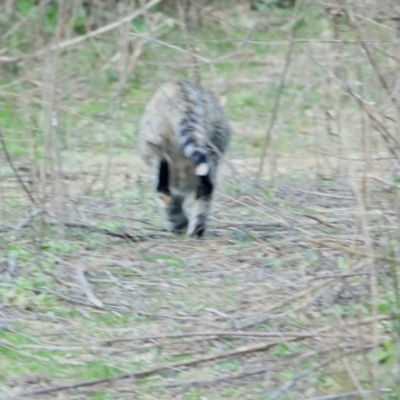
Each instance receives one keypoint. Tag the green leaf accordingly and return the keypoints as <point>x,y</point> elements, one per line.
<point>268,194</point>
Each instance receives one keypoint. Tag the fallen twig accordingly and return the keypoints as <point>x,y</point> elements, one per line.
<point>208,382</point>
<point>24,223</point>
<point>288,385</point>
<point>142,374</point>
<point>283,335</point>
<point>337,246</point>
<point>123,235</point>
<point>12,265</point>
<point>105,231</point>
<point>84,284</point>
<point>66,298</point>
<point>265,317</point>
<point>11,164</point>
<point>345,395</point>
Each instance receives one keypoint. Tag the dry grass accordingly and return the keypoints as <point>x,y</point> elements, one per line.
<point>292,294</point>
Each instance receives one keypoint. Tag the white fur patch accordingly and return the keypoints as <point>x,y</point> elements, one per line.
<point>189,149</point>
<point>202,169</point>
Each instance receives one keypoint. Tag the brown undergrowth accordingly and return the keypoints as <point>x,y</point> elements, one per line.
<point>280,285</point>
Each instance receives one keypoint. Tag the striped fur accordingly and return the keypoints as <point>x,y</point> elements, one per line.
<point>182,134</point>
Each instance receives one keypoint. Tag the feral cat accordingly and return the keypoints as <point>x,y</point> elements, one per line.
<point>182,135</point>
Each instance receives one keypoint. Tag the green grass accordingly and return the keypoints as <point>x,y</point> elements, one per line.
<point>59,365</point>
<point>98,86</point>
<point>170,285</point>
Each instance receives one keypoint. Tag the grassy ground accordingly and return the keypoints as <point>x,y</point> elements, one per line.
<point>285,298</point>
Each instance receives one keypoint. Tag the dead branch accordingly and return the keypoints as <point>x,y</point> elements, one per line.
<point>345,395</point>
<point>288,385</point>
<point>275,108</point>
<point>22,224</point>
<point>105,231</point>
<point>265,317</point>
<point>392,142</point>
<point>298,335</point>
<point>87,290</point>
<point>210,382</point>
<point>96,229</point>
<point>145,373</point>
<point>72,42</point>
<point>12,266</point>
<point>348,250</point>
<point>12,166</point>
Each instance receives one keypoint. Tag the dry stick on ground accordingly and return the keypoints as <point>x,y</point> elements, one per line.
<point>280,220</point>
<point>348,366</point>
<point>105,231</point>
<point>265,317</point>
<point>284,388</point>
<point>346,395</point>
<point>24,223</point>
<point>282,335</point>
<point>142,374</point>
<point>71,300</point>
<point>74,300</point>
<point>209,382</point>
<point>12,265</point>
<point>85,286</point>
<point>228,378</point>
<point>57,279</point>
<point>322,332</point>
<point>11,164</point>
<point>337,246</point>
